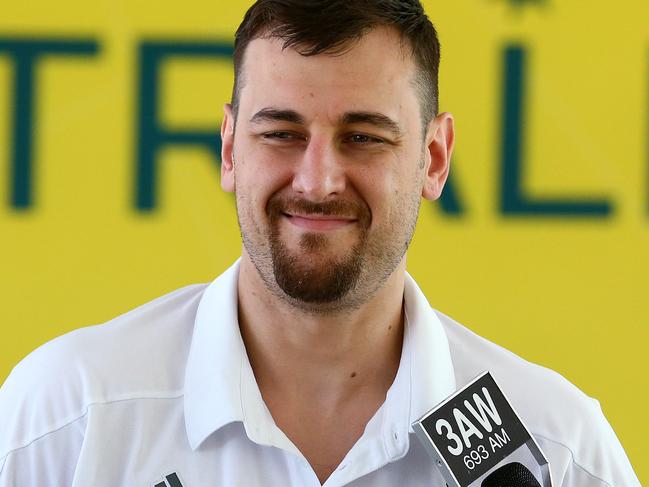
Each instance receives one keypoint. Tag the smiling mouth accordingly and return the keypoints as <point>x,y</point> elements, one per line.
<point>319,222</point>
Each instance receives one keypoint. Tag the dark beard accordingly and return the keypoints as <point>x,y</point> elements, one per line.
<point>329,281</point>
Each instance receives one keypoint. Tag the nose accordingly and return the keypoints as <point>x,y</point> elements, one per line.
<point>320,172</point>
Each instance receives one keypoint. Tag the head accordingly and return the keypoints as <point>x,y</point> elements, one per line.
<point>331,27</point>
<point>328,161</point>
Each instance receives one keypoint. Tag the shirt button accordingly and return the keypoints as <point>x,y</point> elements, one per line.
<point>343,466</point>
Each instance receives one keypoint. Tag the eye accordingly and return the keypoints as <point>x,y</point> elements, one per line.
<point>281,135</point>
<point>364,139</point>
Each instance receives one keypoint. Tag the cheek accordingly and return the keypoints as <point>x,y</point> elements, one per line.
<point>256,183</point>
<point>247,198</point>
<point>377,191</point>
<point>401,199</point>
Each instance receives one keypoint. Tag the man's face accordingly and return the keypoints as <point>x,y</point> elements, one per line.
<point>328,164</point>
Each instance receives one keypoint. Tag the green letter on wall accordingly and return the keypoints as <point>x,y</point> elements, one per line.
<point>25,54</point>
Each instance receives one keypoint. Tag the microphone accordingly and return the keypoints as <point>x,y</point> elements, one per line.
<point>511,475</point>
<point>477,440</point>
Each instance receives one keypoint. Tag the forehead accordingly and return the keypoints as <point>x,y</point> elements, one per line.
<point>375,73</point>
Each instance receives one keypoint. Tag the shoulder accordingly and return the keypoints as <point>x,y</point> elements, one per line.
<point>134,355</point>
<point>557,413</point>
<point>473,354</point>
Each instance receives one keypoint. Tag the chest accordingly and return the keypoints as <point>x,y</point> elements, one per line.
<point>153,451</point>
<point>324,443</point>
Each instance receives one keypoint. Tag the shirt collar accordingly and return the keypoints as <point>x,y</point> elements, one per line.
<point>432,373</point>
<point>220,387</point>
<point>213,371</point>
<point>425,376</point>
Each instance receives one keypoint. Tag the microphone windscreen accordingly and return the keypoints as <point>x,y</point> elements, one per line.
<point>511,475</point>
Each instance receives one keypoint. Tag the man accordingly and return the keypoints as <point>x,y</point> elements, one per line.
<point>306,362</point>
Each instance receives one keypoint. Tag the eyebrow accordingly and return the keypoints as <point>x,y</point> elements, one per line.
<point>372,118</point>
<point>277,115</point>
<point>286,115</point>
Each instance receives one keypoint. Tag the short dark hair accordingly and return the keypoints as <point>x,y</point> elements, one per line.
<point>328,26</point>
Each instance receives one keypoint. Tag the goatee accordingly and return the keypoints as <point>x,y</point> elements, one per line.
<point>320,280</point>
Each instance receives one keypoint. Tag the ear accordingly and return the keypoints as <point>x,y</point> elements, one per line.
<point>440,139</point>
<point>227,150</point>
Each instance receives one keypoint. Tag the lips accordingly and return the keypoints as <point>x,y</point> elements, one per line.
<point>318,216</point>
<point>319,222</point>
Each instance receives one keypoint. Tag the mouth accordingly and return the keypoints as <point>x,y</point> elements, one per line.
<point>319,222</point>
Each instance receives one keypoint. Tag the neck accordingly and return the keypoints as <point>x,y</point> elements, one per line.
<point>325,358</point>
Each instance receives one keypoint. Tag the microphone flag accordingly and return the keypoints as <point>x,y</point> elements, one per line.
<point>475,432</point>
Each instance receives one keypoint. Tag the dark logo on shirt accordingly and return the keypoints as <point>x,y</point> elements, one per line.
<point>170,480</point>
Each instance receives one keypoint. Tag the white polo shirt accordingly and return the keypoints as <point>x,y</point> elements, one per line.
<point>164,396</point>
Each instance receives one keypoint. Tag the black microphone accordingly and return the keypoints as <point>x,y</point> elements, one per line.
<point>511,475</point>
<point>476,439</point>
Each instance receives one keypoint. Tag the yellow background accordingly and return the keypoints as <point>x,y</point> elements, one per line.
<point>569,293</point>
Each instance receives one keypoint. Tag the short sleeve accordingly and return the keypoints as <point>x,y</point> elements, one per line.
<point>42,422</point>
<point>49,461</point>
